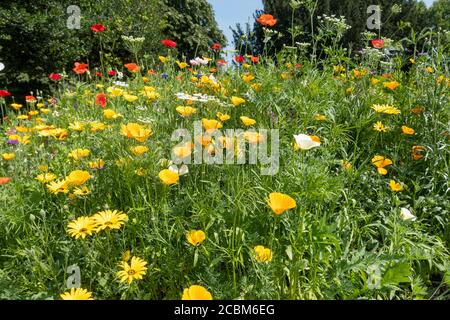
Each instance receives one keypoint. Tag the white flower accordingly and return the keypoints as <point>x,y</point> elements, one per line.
<point>199,61</point>
<point>406,215</point>
<point>121,83</point>
<point>119,75</point>
<point>181,171</point>
<point>306,142</point>
<point>2,66</point>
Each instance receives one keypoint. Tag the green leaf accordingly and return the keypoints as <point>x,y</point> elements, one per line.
<point>397,274</point>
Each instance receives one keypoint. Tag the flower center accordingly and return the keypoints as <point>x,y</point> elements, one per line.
<point>83,230</point>
<point>131,272</point>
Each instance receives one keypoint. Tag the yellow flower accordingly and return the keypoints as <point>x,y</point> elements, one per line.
<point>136,131</point>
<point>247,121</point>
<point>195,237</point>
<point>380,163</point>
<point>359,73</point>
<point>346,164</point>
<point>320,117</point>
<point>77,294</point>
<point>395,186</point>
<point>374,81</point>
<point>408,130</point>
<point>163,59</point>
<point>338,69</point>
<point>280,202</point>
<point>33,112</point>
<point>81,227</point>
<point>379,126</point>
<point>211,124</point>
<point>139,150</point>
<point>248,78</point>
<point>76,126</point>
<point>386,109</point>
<point>8,156</point>
<point>262,254</point>
<point>97,126</point>
<point>196,292</point>
<point>182,65</point>
<point>429,69</point>
<point>140,172</point>
<point>97,164</point>
<point>184,150</point>
<point>43,167</point>
<point>135,270</point>
<point>115,92</point>
<point>236,101</point>
<point>82,192</point>
<point>109,219</point>
<point>130,97</point>
<point>256,86</point>
<point>57,187</point>
<point>16,106</point>
<point>392,85</point>
<point>169,177</point>
<point>222,116</point>
<point>349,90</point>
<point>22,117</point>
<point>111,114</point>
<point>46,177</point>
<point>126,256</point>
<point>253,137</point>
<point>186,111</point>
<point>79,154</point>
<point>77,178</point>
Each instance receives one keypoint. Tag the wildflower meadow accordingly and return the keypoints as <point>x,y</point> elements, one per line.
<point>311,173</point>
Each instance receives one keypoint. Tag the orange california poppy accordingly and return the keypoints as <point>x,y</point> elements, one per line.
<point>133,67</point>
<point>80,68</point>
<point>267,20</point>
<point>4,180</point>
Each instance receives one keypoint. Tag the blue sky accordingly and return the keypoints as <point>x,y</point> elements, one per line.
<point>230,12</point>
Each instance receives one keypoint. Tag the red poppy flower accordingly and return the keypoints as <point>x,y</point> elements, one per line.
<point>169,43</point>
<point>98,27</point>
<point>101,100</point>
<point>4,93</point>
<point>267,20</point>
<point>216,46</point>
<point>99,74</point>
<point>221,62</point>
<point>30,99</point>
<point>4,180</point>
<point>151,71</point>
<point>112,73</point>
<point>132,67</point>
<point>80,68</point>
<point>239,59</point>
<point>55,76</point>
<point>254,59</point>
<point>378,43</point>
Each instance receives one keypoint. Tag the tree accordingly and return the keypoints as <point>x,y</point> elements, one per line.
<point>355,12</point>
<point>35,37</point>
<point>441,14</point>
<point>191,23</point>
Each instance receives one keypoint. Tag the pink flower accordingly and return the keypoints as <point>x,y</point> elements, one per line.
<point>55,76</point>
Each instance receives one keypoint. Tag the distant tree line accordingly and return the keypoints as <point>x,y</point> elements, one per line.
<point>397,22</point>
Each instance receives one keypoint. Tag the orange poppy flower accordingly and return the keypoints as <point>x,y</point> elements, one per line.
<point>280,202</point>
<point>267,20</point>
<point>4,180</point>
<point>80,68</point>
<point>132,67</point>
